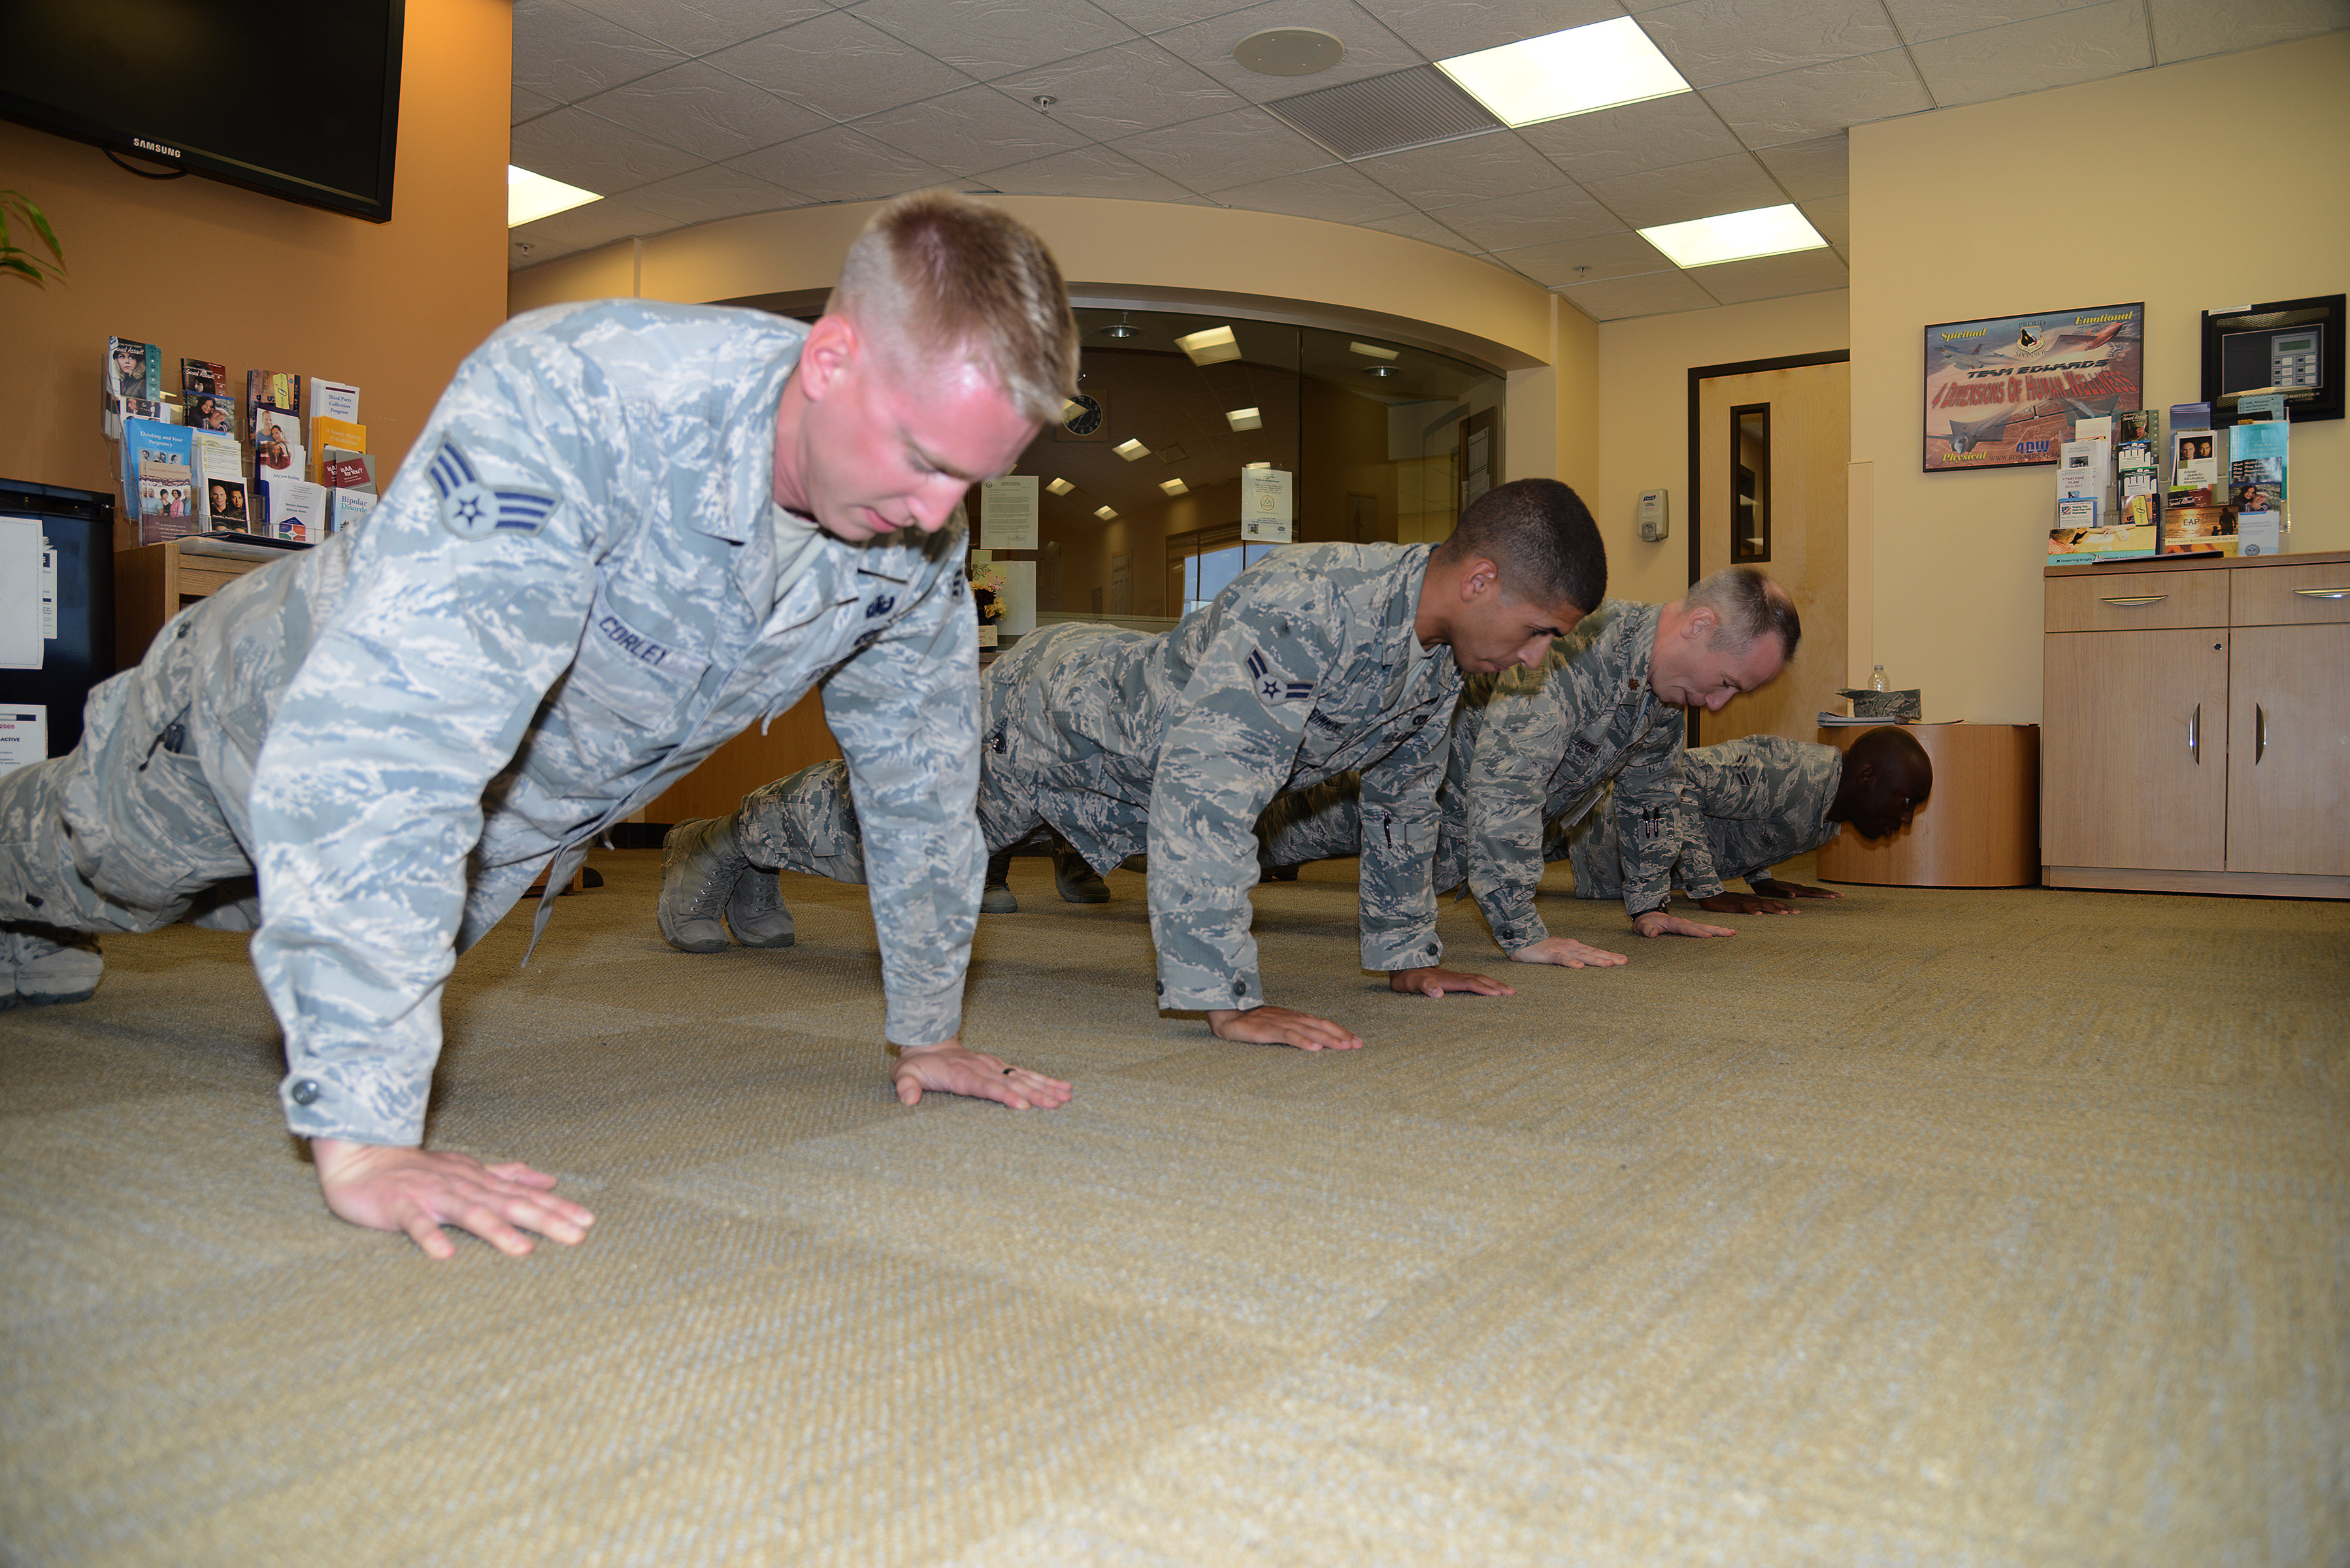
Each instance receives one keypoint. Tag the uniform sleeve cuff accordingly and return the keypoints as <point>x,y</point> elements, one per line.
<point>930,1019</point>
<point>1240,994</point>
<point>356,1103</point>
<point>1420,951</point>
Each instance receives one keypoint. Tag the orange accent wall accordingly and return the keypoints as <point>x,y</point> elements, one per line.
<point>214,272</point>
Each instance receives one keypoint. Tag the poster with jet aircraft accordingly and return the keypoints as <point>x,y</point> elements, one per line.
<point>2004,393</point>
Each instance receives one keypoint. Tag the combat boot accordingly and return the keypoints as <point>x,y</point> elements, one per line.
<point>46,967</point>
<point>1282,873</point>
<point>755,913</point>
<point>1077,882</point>
<point>996,897</point>
<point>699,866</point>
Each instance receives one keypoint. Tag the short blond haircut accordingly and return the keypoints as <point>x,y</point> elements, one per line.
<point>948,274</point>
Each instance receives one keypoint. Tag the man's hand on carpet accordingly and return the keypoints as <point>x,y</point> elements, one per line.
<point>948,1069</point>
<point>1741,904</point>
<point>1270,1025</point>
<point>1657,923</point>
<point>1567,951</point>
<point>1434,982</point>
<point>417,1191</point>
<point>1772,888</point>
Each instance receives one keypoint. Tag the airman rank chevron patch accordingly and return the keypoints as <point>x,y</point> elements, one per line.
<point>1271,687</point>
<point>472,510</point>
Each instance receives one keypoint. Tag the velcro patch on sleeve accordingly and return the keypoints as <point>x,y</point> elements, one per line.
<point>1269,683</point>
<point>472,510</point>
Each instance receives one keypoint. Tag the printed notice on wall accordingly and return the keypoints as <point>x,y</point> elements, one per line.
<point>24,734</point>
<point>1264,506</point>
<point>1007,512</point>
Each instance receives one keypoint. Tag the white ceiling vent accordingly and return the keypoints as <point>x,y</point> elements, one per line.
<point>1386,114</point>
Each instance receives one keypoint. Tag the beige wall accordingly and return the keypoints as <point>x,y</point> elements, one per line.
<point>1642,416</point>
<point>210,270</point>
<point>2153,186</point>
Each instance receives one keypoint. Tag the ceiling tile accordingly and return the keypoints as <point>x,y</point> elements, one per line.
<point>1644,294</point>
<point>1808,169</point>
<point>1768,277</point>
<point>1920,20</point>
<point>1416,225</point>
<point>840,165</point>
<point>2083,45</point>
<point>1225,150</point>
<point>1371,49</point>
<point>1119,91</point>
<point>973,129</point>
<point>580,229</point>
<point>1335,193</point>
<point>989,38</point>
<point>1820,100</point>
<point>1159,16</point>
<point>1831,215</point>
<point>699,27</point>
<point>1474,169</point>
<point>1087,171</point>
<point>562,53</point>
<point>1601,256</point>
<point>528,105</point>
<point>574,147</point>
<point>703,110</point>
<point>1544,217</point>
<point>1443,28</point>
<point>1731,185</point>
<point>2187,31</point>
<point>1717,41</point>
<point>701,196</point>
<point>839,66</point>
<point>1656,134</point>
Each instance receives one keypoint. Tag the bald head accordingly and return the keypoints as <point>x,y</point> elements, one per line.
<point>1886,776</point>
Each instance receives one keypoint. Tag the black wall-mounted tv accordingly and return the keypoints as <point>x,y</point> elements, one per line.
<point>299,98</point>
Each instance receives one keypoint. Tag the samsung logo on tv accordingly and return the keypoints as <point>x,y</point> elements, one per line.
<point>144,145</point>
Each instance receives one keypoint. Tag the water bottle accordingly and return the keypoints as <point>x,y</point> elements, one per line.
<point>1876,680</point>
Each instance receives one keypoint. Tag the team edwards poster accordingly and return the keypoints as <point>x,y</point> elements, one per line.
<point>2003,393</point>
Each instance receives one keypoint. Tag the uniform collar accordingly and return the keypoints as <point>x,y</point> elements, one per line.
<point>746,436</point>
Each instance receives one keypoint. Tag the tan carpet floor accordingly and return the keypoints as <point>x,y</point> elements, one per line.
<point>1928,1227</point>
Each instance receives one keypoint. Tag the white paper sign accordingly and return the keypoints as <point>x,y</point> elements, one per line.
<point>21,581</point>
<point>24,734</point>
<point>1264,506</point>
<point>1019,597</point>
<point>48,591</point>
<point>1007,512</point>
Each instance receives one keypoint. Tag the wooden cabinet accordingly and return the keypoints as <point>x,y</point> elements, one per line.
<point>2197,727</point>
<point>152,583</point>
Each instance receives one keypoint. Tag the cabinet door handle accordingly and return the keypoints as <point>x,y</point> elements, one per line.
<point>2323,593</point>
<point>2194,735</point>
<point>2259,734</point>
<point>2143,599</point>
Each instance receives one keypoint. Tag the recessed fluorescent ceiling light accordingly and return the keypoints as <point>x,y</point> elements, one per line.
<point>1060,487</point>
<point>1373,349</point>
<point>1212,346</point>
<point>1174,487</point>
<point>1105,512</point>
<point>1132,449</point>
<point>1575,72</point>
<point>1244,419</point>
<point>531,196</point>
<point>1734,237</point>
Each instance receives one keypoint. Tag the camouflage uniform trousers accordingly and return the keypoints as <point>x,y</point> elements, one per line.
<point>127,832</point>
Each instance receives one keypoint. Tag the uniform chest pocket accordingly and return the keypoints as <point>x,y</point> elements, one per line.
<point>638,676</point>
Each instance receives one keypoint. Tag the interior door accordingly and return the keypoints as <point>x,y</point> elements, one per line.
<point>1774,446</point>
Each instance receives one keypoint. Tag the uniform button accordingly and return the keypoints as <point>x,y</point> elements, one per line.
<point>304,1092</point>
<point>1432,950</point>
<point>1240,987</point>
<point>1162,988</point>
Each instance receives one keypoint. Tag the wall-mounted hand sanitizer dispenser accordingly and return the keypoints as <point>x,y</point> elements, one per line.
<point>1654,515</point>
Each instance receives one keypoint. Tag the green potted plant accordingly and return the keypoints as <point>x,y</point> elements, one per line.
<point>17,214</point>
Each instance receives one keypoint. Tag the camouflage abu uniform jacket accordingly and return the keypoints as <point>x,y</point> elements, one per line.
<point>1540,747</point>
<point>1752,802</point>
<point>1303,667</point>
<point>566,600</point>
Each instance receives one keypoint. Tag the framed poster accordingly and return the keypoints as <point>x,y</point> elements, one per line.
<point>2004,392</point>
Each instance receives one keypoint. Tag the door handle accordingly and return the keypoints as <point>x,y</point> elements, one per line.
<point>2323,593</point>
<point>2194,735</point>
<point>2259,734</point>
<point>2142,599</point>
